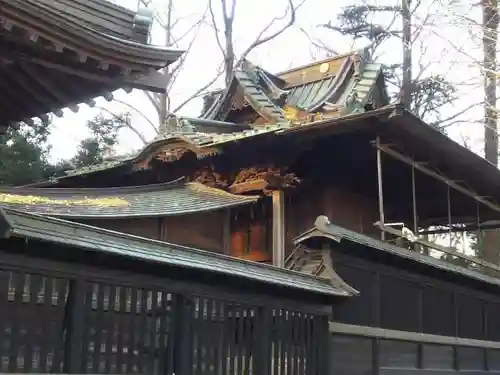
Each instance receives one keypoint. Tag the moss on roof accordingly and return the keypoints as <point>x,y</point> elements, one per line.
<point>32,199</point>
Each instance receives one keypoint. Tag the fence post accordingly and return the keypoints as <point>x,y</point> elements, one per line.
<point>263,340</point>
<point>183,342</point>
<point>73,325</point>
<point>324,345</point>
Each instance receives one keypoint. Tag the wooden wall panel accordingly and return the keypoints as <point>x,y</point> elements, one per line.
<point>350,210</point>
<point>402,296</point>
<point>144,227</point>
<point>202,230</point>
<point>341,206</point>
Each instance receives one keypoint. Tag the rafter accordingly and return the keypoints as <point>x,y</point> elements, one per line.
<point>49,85</point>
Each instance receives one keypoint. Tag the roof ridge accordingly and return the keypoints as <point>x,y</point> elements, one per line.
<point>89,190</point>
<point>359,51</point>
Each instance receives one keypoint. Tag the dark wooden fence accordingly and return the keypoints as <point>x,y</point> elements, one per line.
<point>356,355</point>
<point>75,320</point>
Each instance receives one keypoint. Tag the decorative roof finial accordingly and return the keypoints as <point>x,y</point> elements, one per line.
<point>143,21</point>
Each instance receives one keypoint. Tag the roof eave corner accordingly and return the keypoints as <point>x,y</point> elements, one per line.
<point>5,224</point>
<point>398,110</point>
<point>320,229</point>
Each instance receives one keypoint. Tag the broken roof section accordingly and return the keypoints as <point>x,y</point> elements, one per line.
<point>23,225</point>
<point>60,53</point>
<point>171,199</point>
<point>330,88</point>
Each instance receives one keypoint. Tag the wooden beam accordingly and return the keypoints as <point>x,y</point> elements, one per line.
<point>278,197</point>
<point>28,86</point>
<point>466,227</point>
<point>8,85</point>
<point>443,249</point>
<point>49,85</point>
<point>391,334</point>
<point>152,81</point>
<point>249,186</point>
<point>451,183</point>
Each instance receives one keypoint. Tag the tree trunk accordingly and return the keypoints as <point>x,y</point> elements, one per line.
<point>164,98</point>
<point>229,58</point>
<point>490,36</point>
<point>406,86</point>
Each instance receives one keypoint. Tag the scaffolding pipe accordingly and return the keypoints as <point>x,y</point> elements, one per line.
<point>419,166</point>
<point>380,188</point>
<point>414,199</point>
<point>448,203</point>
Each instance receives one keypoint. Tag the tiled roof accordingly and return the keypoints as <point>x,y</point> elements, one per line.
<point>176,198</point>
<point>195,139</point>
<point>106,16</point>
<point>30,226</point>
<point>65,52</point>
<point>258,98</point>
<point>348,91</point>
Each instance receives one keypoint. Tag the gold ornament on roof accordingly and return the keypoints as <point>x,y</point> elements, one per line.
<point>323,68</point>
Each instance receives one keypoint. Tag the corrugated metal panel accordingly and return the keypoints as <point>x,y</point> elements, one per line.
<point>141,201</point>
<point>63,232</point>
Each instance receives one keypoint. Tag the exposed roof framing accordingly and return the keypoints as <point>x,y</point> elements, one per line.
<point>54,58</point>
<point>29,226</point>
<point>170,199</point>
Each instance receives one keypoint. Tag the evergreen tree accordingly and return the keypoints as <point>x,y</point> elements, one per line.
<point>104,132</point>
<point>24,151</point>
<point>424,95</point>
<point>24,155</point>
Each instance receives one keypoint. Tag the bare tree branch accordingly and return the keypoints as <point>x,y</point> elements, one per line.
<point>176,70</point>
<point>138,112</point>
<point>319,44</point>
<point>216,31</point>
<point>153,99</point>
<point>125,124</point>
<point>260,37</point>
<point>200,91</point>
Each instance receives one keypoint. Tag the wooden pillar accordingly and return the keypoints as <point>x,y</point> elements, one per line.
<point>279,228</point>
<point>74,321</point>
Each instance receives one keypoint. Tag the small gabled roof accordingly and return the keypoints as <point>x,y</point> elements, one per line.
<point>170,199</point>
<point>57,54</point>
<point>324,229</point>
<point>342,84</point>
<point>29,226</point>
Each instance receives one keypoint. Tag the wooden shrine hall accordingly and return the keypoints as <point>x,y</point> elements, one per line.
<point>285,231</point>
<point>77,298</point>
